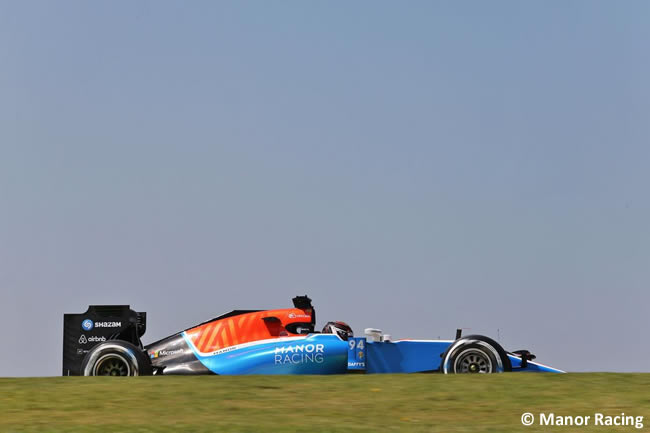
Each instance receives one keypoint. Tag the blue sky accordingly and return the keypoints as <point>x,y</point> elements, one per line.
<point>414,166</point>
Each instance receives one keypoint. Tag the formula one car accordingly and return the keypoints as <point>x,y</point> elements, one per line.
<point>105,341</point>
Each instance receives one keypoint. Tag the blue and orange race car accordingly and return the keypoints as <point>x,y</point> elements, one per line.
<point>105,341</point>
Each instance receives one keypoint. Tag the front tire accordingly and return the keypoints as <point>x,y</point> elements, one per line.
<point>116,358</point>
<point>475,354</point>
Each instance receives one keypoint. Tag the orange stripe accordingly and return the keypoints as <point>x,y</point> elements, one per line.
<point>213,335</point>
<point>225,341</point>
<point>204,334</point>
<point>193,335</point>
<point>251,332</point>
<point>243,331</point>
<point>233,332</point>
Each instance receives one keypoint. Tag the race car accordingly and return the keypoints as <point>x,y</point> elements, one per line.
<point>106,341</point>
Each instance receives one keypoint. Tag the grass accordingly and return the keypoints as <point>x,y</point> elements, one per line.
<point>352,403</point>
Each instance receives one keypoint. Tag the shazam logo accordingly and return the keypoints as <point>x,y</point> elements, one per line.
<point>87,325</point>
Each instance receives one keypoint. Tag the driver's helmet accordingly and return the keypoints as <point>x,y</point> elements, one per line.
<point>341,328</point>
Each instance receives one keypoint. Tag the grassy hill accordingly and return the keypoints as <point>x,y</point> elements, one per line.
<point>353,403</point>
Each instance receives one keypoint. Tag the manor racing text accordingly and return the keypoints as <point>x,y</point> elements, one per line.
<point>299,353</point>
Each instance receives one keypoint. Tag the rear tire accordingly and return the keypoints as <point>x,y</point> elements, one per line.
<point>116,358</point>
<point>475,354</point>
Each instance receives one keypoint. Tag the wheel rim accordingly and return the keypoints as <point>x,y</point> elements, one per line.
<point>112,365</point>
<point>473,361</point>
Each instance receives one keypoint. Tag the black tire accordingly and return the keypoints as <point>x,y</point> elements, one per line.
<point>475,354</point>
<point>116,358</point>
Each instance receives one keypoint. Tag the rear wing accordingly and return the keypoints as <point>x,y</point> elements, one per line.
<point>82,332</point>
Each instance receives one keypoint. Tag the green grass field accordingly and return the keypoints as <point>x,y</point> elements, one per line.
<point>353,403</point>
